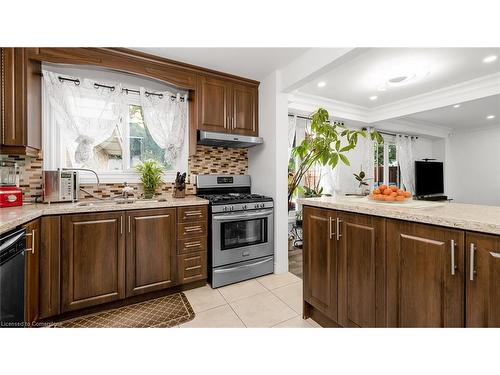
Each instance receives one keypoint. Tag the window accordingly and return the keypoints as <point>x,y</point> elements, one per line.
<point>106,132</point>
<point>386,164</point>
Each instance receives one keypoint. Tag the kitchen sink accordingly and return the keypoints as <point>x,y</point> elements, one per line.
<point>118,201</point>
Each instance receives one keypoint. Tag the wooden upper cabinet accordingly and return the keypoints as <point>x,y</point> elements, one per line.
<point>32,262</point>
<point>425,275</point>
<point>361,268</point>
<point>21,102</point>
<point>214,104</point>
<point>483,280</point>
<point>244,105</point>
<point>93,259</point>
<point>151,250</point>
<point>320,260</point>
<point>228,107</point>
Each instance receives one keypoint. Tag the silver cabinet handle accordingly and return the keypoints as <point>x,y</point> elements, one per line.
<point>32,235</point>
<point>129,224</point>
<point>192,229</point>
<point>193,213</point>
<point>330,230</point>
<point>192,244</point>
<point>338,229</point>
<point>471,270</point>
<point>495,254</point>
<point>452,254</point>
<point>121,225</point>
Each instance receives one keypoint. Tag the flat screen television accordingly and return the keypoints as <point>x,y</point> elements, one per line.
<point>429,178</point>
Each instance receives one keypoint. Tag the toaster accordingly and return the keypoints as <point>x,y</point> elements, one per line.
<point>60,186</point>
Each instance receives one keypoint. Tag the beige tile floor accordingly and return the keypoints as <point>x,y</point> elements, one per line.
<point>268,301</point>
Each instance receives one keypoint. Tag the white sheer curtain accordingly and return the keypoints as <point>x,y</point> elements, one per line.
<point>368,161</point>
<point>166,118</point>
<point>330,179</point>
<point>405,149</point>
<point>292,125</point>
<point>87,115</point>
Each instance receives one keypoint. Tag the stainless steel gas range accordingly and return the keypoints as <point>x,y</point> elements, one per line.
<point>241,239</point>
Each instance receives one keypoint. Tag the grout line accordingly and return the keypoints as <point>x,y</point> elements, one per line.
<point>274,294</point>
<point>286,320</point>
<point>231,307</point>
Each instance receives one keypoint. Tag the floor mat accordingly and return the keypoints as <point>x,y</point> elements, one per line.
<point>163,312</point>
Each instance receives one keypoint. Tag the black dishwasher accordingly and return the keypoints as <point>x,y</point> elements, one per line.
<point>12,248</point>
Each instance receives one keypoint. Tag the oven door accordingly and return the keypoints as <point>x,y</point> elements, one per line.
<point>240,236</point>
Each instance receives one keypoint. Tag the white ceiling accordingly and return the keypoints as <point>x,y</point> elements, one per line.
<point>469,115</point>
<point>253,63</point>
<point>357,80</point>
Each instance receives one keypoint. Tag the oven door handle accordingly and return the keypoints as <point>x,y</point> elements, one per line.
<point>247,215</point>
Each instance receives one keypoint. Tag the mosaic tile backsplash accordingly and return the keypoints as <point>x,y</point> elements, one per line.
<point>207,160</point>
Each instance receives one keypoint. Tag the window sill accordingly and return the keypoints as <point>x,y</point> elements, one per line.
<point>87,178</point>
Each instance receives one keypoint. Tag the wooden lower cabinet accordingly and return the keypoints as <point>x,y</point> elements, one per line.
<point>151,250</point>
<point>320,260</point>
<point>32,271</point>
<point>482,280</point>
<point>361,270</point>
<point>425,275</point>
<point>93,259</point>
<point>50,266</point>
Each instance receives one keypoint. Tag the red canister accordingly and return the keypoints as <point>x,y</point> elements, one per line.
<point>10,196</point>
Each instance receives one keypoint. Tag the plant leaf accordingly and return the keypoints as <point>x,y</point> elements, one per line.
<point>344,159</point>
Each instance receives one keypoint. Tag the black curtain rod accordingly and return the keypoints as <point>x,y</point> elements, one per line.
<point>112,88</point>
<point>393,134</point>
<point>299,116</point>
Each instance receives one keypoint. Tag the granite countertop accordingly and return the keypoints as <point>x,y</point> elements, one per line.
<point>12,217</point>
<point>478,218</point>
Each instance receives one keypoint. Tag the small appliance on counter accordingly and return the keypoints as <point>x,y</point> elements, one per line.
<point>241,239</point>
<point>60,186</point>
<point>10,193</point>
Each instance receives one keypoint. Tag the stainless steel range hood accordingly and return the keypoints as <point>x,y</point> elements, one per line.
<point>227,140</point>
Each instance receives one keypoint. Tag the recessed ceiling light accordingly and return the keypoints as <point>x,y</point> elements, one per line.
<point>456,106</point>
<point>489,59</point>
<point>490,117</point>
<point>373,97</point>
<point>321,84</point>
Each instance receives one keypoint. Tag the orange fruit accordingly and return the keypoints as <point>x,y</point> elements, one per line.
<point>376,191</point>
<point>394,194</point>
<point>393,188</point>
<point>407,194</point>
<point>387,191</point>
<point>401,192</point>
<point>390,198</point>
<point>400,198</point>
<point>382,187</point>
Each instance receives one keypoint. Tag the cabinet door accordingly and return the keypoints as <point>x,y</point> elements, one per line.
<point>7,93</point>
<point>93,259</point>
<point>483,280</point>
<point>214,105</point>
<point>50,266</point>
<point>424,289</point>
<point>361,267</point>
<point>244,116</point>
<point>32,271</point>
<point>320,260</point>
<point>151,254</point>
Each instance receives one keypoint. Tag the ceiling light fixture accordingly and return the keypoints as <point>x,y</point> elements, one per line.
<point>373,97</point>
<point>321,84</point>
<point>456,106</point>
<point>490,117</point>
<point>404,79</point>
<point>490,59</point>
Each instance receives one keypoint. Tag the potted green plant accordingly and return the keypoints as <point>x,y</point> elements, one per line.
<point>325,144</point>
<point>362,180</point>
<point>151,172</point>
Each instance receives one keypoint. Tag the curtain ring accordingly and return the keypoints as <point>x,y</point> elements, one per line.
<point>160,96</point>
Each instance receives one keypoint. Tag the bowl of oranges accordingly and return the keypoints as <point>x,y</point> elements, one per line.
<point>389,194</point>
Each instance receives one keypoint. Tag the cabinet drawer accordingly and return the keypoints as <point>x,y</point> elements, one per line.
<point>190,230</point>
<point>192,267</point>
<point>190,214</point>
<point>192,245</point>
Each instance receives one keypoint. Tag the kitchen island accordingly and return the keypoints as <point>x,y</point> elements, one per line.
<point>415,264</point>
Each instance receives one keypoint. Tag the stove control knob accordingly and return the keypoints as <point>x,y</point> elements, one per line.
<point>232,208</point>
<point>256,205</point>
<point>224,208</point>
<point>262,205</point>
<point>244,207</point>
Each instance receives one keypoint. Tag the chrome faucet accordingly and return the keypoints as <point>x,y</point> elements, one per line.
<point>126,190</point>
